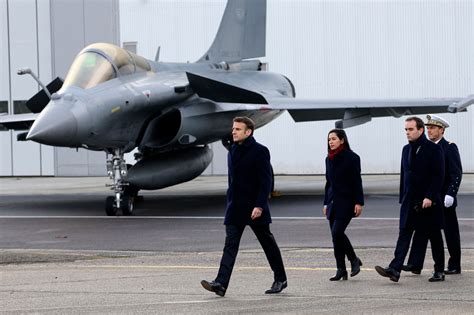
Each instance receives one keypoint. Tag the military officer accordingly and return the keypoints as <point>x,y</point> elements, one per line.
<point>436,127</point>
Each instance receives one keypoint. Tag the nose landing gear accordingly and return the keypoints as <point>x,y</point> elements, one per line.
<point>123,195</point>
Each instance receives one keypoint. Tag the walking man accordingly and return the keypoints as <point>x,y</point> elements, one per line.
<point>436,127</point>
<point>421,179</point>
<point>250,180</point>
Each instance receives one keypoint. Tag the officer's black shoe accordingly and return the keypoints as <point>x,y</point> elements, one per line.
<point>388,272</point>
<point>413,269</point>
<point>277,287</point>
<point>214,286</point>
<point>437,276</point>
<point>355,266</point>
<point>452,271</point>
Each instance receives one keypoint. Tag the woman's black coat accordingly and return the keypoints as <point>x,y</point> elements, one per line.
<point>343,185</point>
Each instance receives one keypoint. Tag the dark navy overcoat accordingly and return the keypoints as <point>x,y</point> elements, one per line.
<point>421,176</point>
<point>250,180</point>
<point>343,188</point>
<point>453,170</point>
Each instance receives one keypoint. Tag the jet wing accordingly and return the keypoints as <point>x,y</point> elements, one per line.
<point>352,112</point>
<point>18,122</point>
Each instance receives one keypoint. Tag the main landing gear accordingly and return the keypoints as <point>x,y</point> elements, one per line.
<point>124,194</point>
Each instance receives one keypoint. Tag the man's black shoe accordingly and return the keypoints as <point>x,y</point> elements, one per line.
<point>388,272</point>
<point>452,271</point>
<point>214,286</point>
<point>437,276</point>
<point>411,268</point>
<point>277,287</point>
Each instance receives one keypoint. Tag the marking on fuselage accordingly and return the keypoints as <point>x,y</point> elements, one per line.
<point>147,93</point>
<point>116,109</point>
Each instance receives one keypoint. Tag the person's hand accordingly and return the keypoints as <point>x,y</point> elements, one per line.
<point>325,209</point>
<point>357,210</point>
<point>426,203</point>
<point>256,213</point>
<point>448,201</point>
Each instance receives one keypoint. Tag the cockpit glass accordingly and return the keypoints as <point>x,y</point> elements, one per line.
<point>88,70</point>
<point>91,67</point>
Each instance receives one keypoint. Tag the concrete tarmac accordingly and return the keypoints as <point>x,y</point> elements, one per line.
<point>60,255</point>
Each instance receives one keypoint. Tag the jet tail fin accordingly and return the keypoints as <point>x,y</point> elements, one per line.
<point>241,34</point>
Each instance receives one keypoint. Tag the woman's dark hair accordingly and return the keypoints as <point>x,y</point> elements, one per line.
<point>341,134</point>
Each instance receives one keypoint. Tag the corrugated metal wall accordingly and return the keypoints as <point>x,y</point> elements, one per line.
<point>46,36</point>
<point>369,49</point>
<point>24,42</point>
<point>335,49</point>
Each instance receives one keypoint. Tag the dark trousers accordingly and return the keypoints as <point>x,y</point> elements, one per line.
<point>453,242</point>
<point>231,248</point>
<point>418,250</point>
<point>403,244</point>
<point>453,239</point>
<point>341,243</point>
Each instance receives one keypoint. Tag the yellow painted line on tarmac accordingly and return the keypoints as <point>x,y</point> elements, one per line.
<point>217,267</point>
<point>210,267</point>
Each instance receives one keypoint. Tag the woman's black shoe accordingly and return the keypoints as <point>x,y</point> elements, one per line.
<point>339,274</point>
<point>355,266</point>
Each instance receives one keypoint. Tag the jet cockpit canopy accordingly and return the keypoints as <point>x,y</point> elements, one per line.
<point>101,62</point>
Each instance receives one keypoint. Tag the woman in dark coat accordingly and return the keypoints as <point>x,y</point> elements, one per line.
<point>343,199</point>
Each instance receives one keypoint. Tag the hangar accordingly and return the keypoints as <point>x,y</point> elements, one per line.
<point>329,49</point>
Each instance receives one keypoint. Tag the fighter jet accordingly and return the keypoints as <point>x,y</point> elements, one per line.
<point>116,101</point>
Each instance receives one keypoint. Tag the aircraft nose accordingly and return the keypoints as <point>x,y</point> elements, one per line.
<point>56,125</point>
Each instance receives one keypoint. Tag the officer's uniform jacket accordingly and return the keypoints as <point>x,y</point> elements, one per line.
<point>453,170</point>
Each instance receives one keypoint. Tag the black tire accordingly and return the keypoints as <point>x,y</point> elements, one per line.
<point>126,205</point>
<point>131,191</point>
<point>110,208</point>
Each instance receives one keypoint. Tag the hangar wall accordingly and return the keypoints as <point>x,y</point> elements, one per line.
<point>329,49</point>
<point>333,50</point>
<point>25,41</point>
<point>46,36</point>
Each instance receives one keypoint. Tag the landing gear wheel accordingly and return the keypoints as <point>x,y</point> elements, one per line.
<point>110,208</point>
<point>133,193</point>
<point>126,205</point>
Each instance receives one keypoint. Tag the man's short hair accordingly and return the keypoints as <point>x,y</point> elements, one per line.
<point>247,121</point>
<point>419,122</point>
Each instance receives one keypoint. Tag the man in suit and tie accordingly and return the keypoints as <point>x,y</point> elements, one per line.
<point>421,179</point>
<point>436,127</point>
<point>250,180</point>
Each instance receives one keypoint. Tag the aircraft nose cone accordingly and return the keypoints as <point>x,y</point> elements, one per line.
<point>56,125</point>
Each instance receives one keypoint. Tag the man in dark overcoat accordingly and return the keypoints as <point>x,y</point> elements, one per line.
<point>250,181</point>
<point>421,179</point>
<point>436,127</point>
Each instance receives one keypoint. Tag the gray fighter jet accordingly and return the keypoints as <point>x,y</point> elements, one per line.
<point>116,101</point>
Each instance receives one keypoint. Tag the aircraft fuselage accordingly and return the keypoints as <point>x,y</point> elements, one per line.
<point>155,109</point>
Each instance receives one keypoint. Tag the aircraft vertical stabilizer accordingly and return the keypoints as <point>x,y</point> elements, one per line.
<point>241,34</point>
